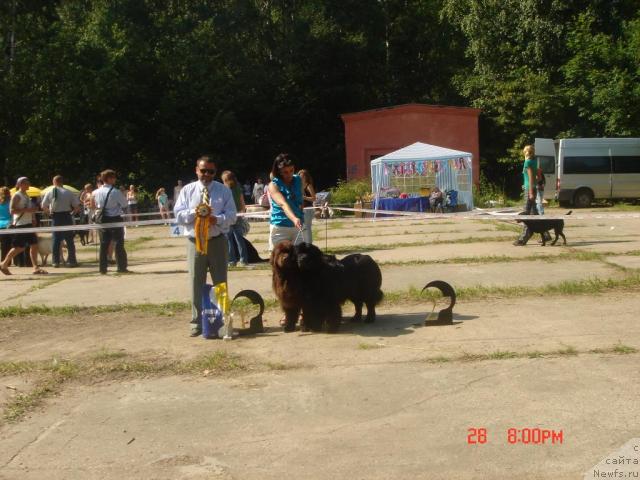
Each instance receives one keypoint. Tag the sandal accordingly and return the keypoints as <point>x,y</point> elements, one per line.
<point>40,271</point>
<point>5,270</point>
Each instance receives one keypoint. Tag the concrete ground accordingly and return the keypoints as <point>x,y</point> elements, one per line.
<point>395,399</point>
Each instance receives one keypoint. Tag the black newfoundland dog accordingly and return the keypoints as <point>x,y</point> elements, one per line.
<point>305,279</point>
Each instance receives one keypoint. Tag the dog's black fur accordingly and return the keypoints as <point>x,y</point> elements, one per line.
<point>542,226</point>
<point>305,279</point>
<point>361,282</point>
<point>252,253</point>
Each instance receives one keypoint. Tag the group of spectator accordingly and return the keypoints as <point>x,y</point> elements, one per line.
<point>288,194</point>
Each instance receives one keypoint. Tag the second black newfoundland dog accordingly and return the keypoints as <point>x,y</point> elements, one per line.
<point>308,281</point>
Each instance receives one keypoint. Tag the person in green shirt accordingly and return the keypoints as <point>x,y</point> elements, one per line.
<point>529,189</point>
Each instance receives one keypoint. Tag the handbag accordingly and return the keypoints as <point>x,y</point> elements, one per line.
<point>98,215</point>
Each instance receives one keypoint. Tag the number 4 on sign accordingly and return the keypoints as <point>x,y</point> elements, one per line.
<point>176,230</point>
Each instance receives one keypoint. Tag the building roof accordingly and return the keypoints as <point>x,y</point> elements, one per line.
<point>411,108</point>
<point>420,151</point>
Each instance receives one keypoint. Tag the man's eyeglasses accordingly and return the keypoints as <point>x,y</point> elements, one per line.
<point>210,171</point>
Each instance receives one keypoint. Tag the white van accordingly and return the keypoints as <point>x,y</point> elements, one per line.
<point>597,168</point>
<point>546,156</point>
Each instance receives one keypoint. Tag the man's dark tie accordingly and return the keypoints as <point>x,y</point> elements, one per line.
<point>205,195</point>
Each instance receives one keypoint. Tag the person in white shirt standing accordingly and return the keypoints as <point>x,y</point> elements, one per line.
<point>113,203</point>
<point>206,209</point>
<point>62,204</point>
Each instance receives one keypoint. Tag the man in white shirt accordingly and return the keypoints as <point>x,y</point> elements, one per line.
<point>222,215</point>
<point>62,204</point>
<point>113,203</point>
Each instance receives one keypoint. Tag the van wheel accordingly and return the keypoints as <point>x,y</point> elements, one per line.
<point>583,198</point>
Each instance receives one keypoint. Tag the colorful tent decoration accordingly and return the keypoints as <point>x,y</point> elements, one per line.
<point>421,166</point>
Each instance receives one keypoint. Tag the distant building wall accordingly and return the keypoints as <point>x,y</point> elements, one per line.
<point>373,133</point>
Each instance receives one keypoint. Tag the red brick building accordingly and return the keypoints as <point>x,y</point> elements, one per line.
<point>373,133</point>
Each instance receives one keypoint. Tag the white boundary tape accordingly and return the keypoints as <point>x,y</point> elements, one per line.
<point>102,226</point>
<point>379,215</point>
<point>482,214</point>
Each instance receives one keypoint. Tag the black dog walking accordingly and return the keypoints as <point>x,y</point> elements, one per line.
<point>542,226</point>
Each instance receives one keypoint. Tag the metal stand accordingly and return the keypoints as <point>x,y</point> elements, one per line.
<point>255,324</point>
<point>445,315</point>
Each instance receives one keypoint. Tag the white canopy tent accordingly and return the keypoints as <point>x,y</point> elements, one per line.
<point>418,168</point>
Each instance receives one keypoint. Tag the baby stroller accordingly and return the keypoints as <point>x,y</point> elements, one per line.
<point>451,201</point>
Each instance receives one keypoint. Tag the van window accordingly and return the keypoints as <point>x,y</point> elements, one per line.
<point>626,164</point>
<point>587,165</point>
<point>547,164</point>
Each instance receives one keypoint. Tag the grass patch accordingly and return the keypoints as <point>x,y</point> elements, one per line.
<point>507,227</point>
<point>217,362</point>
<point>24,403</point>
<point>390,246</point>
<point>502,355</point>
<point>47,283</point>
<point>166,309</point>
<point>105,355</point>
<point>104,365</point>
<point>535,354</point>
<point>480,292</point>
<point>576,256</point>
<point>138,243</point>
<point>280,366</point>
<point>56,373</point>
<point>624,349</point>
<point>369,346</point>
<point>320,236</point>
<point>568,351</point>
<point>439,359</point>
<point>16,368</point>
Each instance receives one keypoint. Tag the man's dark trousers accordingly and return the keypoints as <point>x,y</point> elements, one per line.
<point>112,234</point>
<point>60,219</point>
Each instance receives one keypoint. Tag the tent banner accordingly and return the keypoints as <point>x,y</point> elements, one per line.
<point>425,167</point>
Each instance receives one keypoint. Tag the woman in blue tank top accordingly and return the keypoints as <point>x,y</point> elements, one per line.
<point>285,191</point>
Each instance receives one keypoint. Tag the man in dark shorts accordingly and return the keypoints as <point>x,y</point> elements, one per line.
<point>23,217</point>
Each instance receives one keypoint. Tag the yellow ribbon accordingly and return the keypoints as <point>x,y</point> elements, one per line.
<point>203,212</point>
<point>222,297</point>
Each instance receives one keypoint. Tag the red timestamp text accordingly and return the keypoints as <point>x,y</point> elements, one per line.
<point>515,436</point>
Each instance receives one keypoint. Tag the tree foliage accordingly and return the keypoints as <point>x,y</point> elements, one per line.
<point>144,86</point>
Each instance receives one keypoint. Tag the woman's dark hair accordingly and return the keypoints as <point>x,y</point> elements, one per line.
<point>282,160</point>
